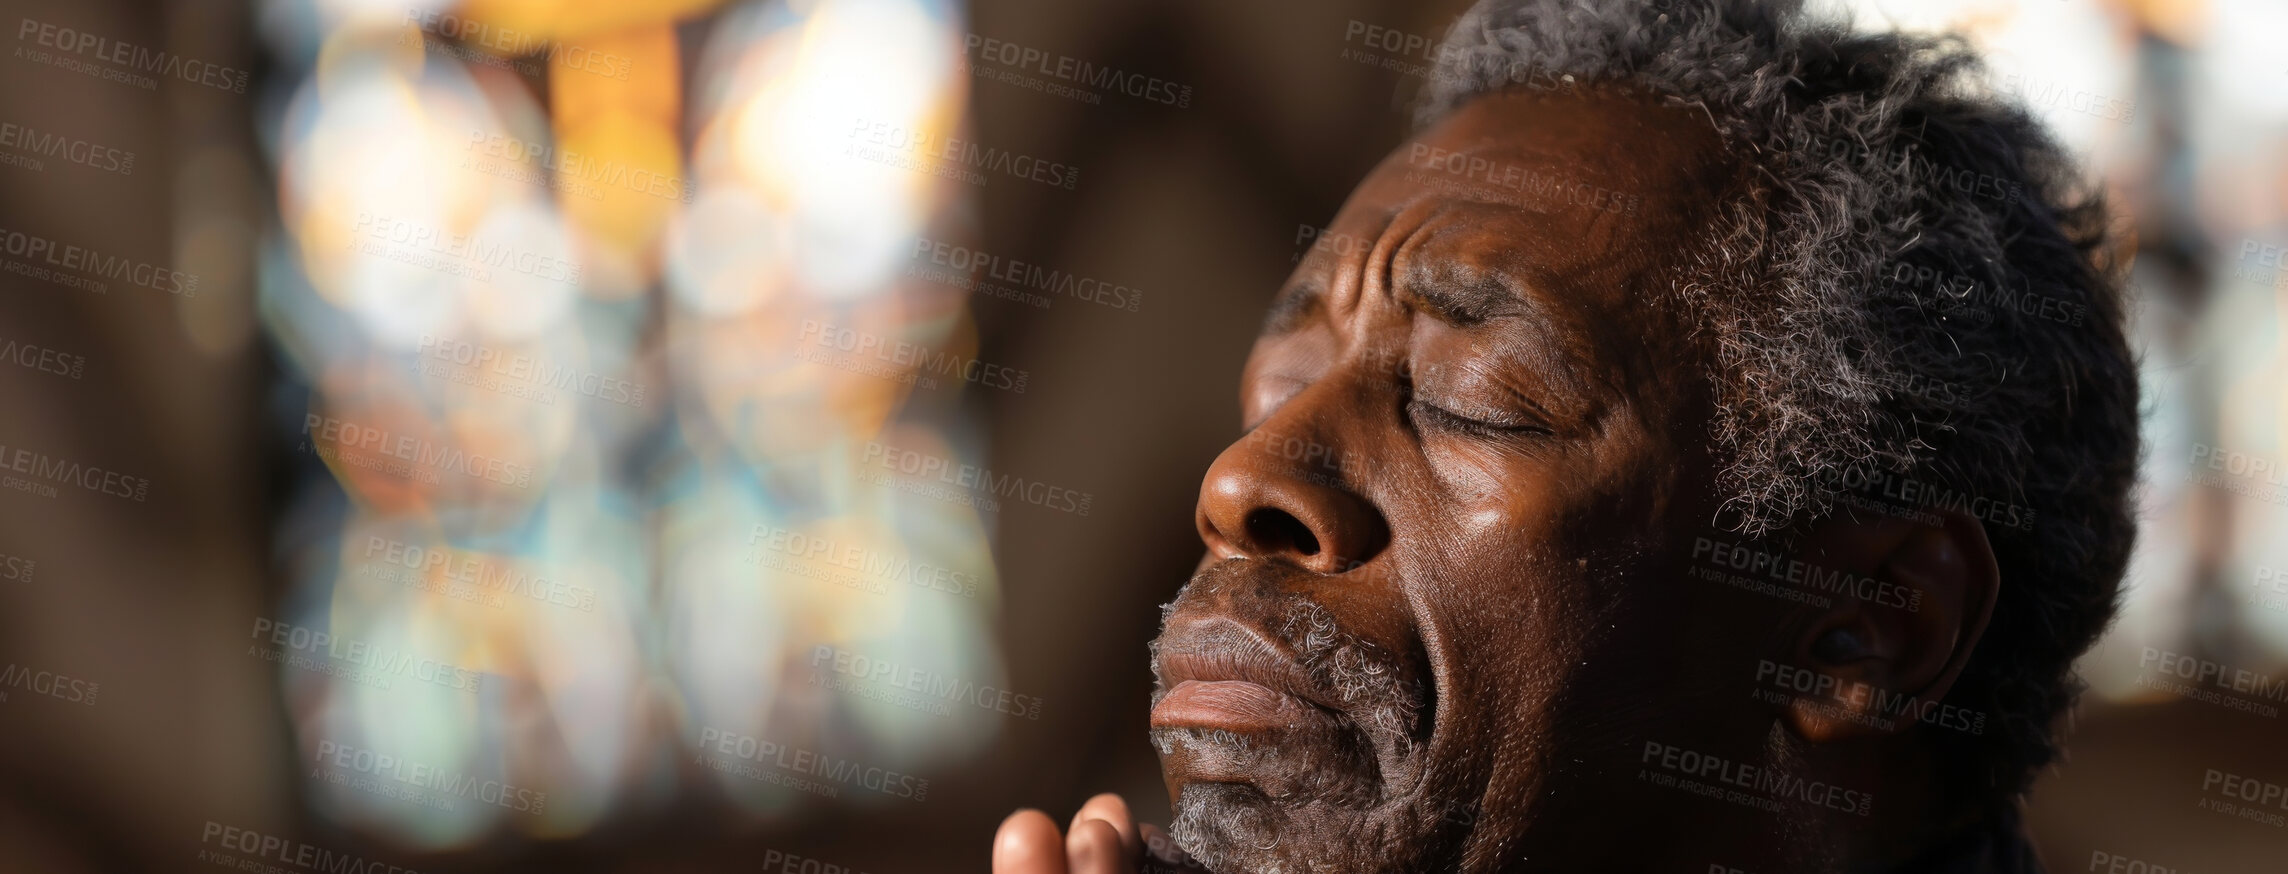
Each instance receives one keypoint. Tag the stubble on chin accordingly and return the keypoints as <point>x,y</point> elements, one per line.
<point>1232,828</point>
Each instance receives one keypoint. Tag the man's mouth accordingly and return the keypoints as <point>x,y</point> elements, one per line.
<point>1260,684</point>
<point>1220,675</point>
<point>1236,710</point>
<point>1230,705</point>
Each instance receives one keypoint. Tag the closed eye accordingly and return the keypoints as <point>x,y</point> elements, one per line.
<point>1426,414</point>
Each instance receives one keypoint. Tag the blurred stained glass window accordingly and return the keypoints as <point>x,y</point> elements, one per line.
<point>608,393</point>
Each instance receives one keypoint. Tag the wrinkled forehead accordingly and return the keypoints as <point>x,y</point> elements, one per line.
<point>1559,223</point>
<point>1594,172</point>
<point>1594,199</point>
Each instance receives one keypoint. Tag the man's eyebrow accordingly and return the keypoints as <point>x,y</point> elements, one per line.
<point>1458,294</point>
<point>1454,294</point>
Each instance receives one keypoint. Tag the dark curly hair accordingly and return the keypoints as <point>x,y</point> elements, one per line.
<point>1917,287</point>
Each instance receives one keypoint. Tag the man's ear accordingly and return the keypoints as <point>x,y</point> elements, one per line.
<point>1907,603</point>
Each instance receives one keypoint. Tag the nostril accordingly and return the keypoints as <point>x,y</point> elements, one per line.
<point>1272,528</point>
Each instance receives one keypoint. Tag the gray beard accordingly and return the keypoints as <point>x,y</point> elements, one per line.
<point>1234,829</point>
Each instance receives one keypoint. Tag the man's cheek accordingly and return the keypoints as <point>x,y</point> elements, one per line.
<point>1469,486</point>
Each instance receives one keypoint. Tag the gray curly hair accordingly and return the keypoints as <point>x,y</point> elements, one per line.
<point>1919,289</point>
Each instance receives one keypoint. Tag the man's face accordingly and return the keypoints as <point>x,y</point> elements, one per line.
<point>1442,603</point>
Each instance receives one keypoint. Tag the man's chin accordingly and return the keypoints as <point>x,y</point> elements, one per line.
<point>1292,801</point>
<point>1234,828</point>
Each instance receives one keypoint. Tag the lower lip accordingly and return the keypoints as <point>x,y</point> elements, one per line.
<point>1233,731</point>
<point>1230,705</point>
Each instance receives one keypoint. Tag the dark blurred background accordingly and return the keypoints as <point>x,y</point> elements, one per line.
<point>683,420</point>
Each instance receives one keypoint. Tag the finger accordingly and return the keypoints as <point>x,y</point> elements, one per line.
<point>1093,847</point>
<point>1112,809</point>
<point>1028,843</point>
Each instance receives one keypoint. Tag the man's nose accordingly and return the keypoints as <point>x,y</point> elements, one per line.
<point>1285,493</point>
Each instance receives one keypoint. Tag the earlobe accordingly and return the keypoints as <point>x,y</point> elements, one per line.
<point>1907,604</point>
